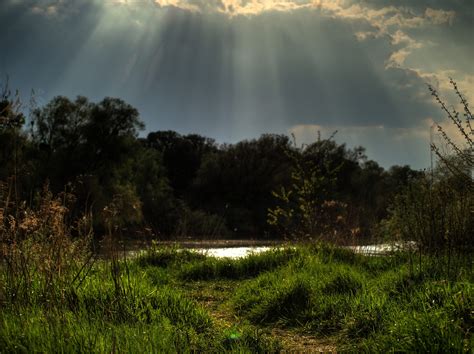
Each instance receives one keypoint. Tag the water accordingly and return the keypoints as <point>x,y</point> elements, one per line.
<point>232,252</point>
<point>242,248</point>
<point>383,248</point>
<point>240,252</point>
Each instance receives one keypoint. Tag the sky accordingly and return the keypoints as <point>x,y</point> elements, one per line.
<point>234,69</point>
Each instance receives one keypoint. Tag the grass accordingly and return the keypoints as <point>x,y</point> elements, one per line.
<point>213,268</point>
<point>146,318</point>
<point>55,297</point>
<point>173,300</point>
<point>363,303</point>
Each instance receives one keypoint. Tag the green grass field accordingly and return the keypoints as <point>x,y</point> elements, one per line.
<point>304,298</point>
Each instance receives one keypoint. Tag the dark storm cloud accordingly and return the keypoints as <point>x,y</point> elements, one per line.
<point>235,69</point>
<point>36,49</point>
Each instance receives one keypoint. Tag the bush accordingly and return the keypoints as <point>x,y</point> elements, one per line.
<point>435,210</point>
<point>166,256</point>
<point>436,215</point>
<point>42,255</point>
<point>460,163</point>
<point>198,223</point>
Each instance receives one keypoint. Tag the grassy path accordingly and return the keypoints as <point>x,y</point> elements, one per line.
<point>213,297</point>
<point>329,299</point>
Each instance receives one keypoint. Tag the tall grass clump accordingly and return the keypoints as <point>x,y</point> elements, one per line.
<point>307,293</point>
<point>250,266</point>
<point>363,303</point>
<point>167,256</point>
<point>44,257</point>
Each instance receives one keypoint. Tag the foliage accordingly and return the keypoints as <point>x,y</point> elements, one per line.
<point>182,156</point>
<point>10,104</point>
<point>436,209</point>
<point>307,210</point>
<point>43,256</point>
<point>187,185</point>
<point>237,180</point>
<point>462,165</point>
<point>434,214</point>
<point>93,147</point>
<point>200,224</point>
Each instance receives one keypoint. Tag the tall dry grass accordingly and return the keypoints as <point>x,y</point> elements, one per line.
<point>44,255</point>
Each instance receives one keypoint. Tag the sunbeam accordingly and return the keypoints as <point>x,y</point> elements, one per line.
<point>234,69</point>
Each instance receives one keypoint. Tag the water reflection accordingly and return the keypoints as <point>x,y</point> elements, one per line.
<point>241,248</point>
<point>240,252</point>
<point>232,252</point>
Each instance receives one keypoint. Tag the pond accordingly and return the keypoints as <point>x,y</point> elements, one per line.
<point>240,252</point>
<point>241,248</point>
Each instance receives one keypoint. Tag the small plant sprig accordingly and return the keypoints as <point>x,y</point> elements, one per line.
<point>463,162</point>
<point>10,109</point>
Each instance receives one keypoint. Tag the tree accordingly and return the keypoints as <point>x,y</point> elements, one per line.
<point>182,156</point>
<point>307,208</point>
<point>14,145</point>
<point>160,208</point>
<point>238,179</point>
<point>91,147</point>
<point>59,125</point>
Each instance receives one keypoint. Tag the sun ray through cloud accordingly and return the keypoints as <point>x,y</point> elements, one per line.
<point>246,67</point>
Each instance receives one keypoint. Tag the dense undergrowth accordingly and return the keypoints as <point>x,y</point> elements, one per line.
<point>377,304</point>
<point>56,296</point>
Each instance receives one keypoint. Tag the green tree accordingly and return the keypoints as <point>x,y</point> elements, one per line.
<point>91,147</point>
<point>16,165</point>
<point>238,179</point>
<point>182,156</point>
<point>306,208</point>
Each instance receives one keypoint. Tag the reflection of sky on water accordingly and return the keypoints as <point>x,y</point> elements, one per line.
<point>232,252</point>
<point>240,252</point>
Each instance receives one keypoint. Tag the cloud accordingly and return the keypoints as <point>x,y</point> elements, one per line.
<point>50,10</point>
<point>233,69</point>
<point>407,46</point>
<point>439,17</point>
<point>237,7</point>
<point>386,145</point>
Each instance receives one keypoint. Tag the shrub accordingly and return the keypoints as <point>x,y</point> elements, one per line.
<point>198,223</point>
<point>41,258</point>
<point>460,163</point>
<point>435,210</point>
<point>166,256</point>
<point>306,209</point>
<point>436,215</point>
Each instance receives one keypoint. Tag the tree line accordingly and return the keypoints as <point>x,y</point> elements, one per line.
<point>176,185</point>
